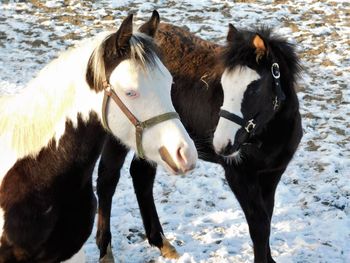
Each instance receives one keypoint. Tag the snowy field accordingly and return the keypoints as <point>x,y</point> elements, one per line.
<point>198,211</point>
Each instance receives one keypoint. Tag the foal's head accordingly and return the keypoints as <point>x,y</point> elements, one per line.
<point>258,80</point>
<point>126,65</point>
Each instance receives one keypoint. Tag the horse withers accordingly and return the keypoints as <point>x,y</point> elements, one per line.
<point>52,133</point>
<point>248,84</point>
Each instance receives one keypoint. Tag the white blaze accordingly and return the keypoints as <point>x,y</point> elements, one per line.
<point>234,83</point>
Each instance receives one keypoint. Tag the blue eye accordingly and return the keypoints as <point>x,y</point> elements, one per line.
<point>131,93</point>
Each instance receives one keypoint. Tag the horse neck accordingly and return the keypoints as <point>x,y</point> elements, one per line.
<point>286,115</point>
<point>31,119</point>
<point>189,56</point>
<point>196,69</point>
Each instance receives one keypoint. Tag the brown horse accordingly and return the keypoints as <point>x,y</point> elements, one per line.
<point>249,84</point>
<point>52,133</point>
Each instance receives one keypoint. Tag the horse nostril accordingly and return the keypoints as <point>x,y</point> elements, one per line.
<point>166,157</point>
<point>180,156</point>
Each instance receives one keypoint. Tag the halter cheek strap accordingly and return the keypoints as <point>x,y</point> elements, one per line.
<point>280,96</point>
<point>139,126</point>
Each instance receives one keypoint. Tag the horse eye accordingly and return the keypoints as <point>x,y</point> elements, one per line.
<point>131,94</point>
<point>253,88</point>
<point>253,91</point>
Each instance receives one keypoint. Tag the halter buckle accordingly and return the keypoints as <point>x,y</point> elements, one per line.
<point>108,89</point>
<point>275,70</point>
<point>250,126</point>
<point>275,103</point>
<point>139,126</point>
<point>106,86</point>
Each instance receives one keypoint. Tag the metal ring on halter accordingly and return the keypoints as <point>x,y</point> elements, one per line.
<point>250,126</point>
<point>276,67</point>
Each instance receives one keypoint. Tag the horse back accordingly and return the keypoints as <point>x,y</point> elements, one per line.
<point>185,53</point>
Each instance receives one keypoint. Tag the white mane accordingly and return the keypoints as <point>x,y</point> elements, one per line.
<point>30,119</point>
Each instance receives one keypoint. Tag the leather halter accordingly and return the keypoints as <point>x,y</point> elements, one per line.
<point>248,126</point>
<point>139,126</point>
<point>280,96</point>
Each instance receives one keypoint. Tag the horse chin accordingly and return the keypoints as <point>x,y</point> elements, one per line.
<point>235,157</point>
<point>170,169</point>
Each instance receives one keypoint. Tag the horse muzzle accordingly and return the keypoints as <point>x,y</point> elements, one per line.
<point>230,149</point>
<point>178,164</point>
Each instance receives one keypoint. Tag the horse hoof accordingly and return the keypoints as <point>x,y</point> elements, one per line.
<point>168,250</point>
<point>108,258</point>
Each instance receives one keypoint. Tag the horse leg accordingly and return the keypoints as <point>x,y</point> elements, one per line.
<point>143,175</point>
<point>268,184</point>
<point>248,193</point>
<point>78,257</point>
<point>112,159</point>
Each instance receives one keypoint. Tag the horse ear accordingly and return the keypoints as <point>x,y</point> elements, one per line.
<point>124,32</point>
<point>260,48</point>
<point>258,43</point>
<point>151,26</point>
<point>232,31</point>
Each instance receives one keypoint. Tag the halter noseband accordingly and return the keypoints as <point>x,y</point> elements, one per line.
<point>280,96</point>
<point>248,126</point>
<point>139,126</point>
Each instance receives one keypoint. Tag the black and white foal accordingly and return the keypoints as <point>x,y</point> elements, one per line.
<point>52,133</point>
<point>259,128</point>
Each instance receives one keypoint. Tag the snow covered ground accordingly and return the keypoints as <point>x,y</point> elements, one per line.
<point>198,212</point>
